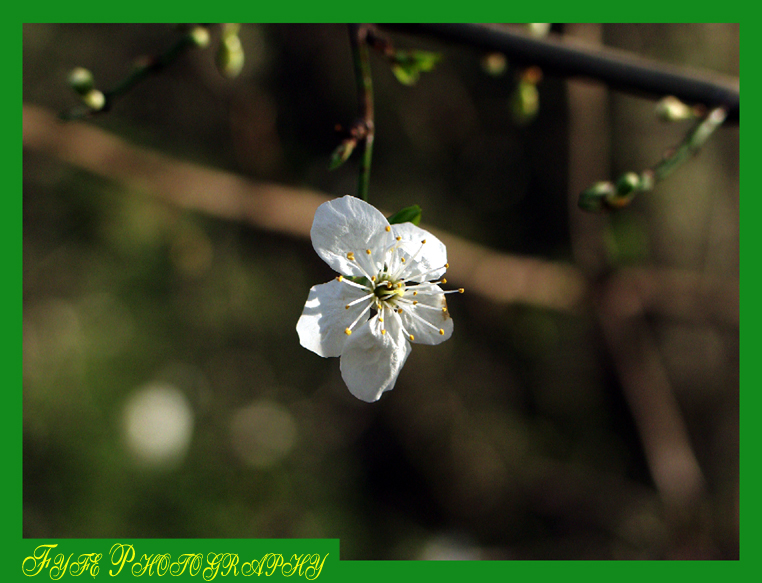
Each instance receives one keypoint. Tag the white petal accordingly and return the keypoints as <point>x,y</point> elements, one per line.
<point>325,317</point>
<point>371,361</point>
<point>431,255</point>
<point>435,317</point>
<point>350,225</point>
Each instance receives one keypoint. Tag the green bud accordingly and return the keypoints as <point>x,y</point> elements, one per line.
<point>594,199</point>
<point>230,29</point>
<point>494,64</point>
<point>94,99</point>
<point>539,29</point>
<point>410,214</point>
<point>230,56</point>
<point>525,102</point>
<point>342,153</point>
<point>81,80</point>
<point>199,36</point>
<point>672,109</point>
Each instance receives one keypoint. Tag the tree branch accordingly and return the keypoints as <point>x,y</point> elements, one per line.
<point>618,69</point>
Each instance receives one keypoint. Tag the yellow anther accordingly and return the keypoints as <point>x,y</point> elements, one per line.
<point>415,302</point>
<point>347,331</point>
<point>351,256</point>
<point>415,293</point>
<point>447,265</point>
<point>399,284</point>
<point>380,319</point>
<point>399,310</point>
<point>388,285</point>
<point>399,238</point>
<point>423,242</point>
<point>411,337</point>
<point>402,259</point>
<point>444,280</point>
<point>383,331</point>
<point>388,228</point>
<point>340,278</point>
<point>441,332</point>
<point>373,278</point>
<point>444,310</point>
<point>346,307</point>
<point>461,290</point>
<point>367,251</point>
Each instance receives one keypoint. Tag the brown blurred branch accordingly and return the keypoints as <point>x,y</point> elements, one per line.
<point>646,386</point>
<point>497,277</point>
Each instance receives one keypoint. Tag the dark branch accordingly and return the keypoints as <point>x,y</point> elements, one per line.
<point>617,69</point>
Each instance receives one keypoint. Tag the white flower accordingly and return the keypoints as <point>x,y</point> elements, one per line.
<point>393,298</point>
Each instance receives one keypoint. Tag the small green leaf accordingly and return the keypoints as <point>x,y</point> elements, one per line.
<point>342,153</point>
<point>410,214</point>
<point>407,66</point>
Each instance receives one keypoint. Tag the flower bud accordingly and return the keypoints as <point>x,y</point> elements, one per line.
<point>230,56</point>
<point>672,109</point>
<point>494,64</point>
<point>594,198</point>
<point>81,80</point>
<point>94,99</point>
<point>199,36</point>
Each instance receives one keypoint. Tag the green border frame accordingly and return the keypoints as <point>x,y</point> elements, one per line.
<point>15,549</point>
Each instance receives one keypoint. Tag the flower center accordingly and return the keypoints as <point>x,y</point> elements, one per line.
<point>389,286</point>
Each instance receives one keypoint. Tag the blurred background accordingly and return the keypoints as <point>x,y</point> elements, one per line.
<point>586,406</point>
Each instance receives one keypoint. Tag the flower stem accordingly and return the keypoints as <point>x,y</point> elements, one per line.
<point>358,34</point>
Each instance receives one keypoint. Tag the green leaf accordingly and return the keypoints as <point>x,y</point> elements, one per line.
<point>407,66</point>
<point>410,214</point>
<point>342,153</point>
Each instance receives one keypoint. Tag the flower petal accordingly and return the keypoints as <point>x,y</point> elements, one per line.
<point>346,226</point>
<point>429,321</point>
<point>431,255</point>
<point>371,361</point>
<point>325,317</point>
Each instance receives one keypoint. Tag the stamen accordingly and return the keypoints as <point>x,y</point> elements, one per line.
<point>419,305</point>
<point>401,272</point>
<point>342,279</point>
<point>405,332</point>
<point>351,256</point>
<point>357,301</point>
<point>367,308</point>
<point>388,228</point>
<point>441,332</point>
<point>425,273</point>
<point>426,322</point>
<point>367,251</point>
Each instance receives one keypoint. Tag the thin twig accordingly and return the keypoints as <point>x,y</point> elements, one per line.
<point>358,39</point>
<point>144,67</point>
<point>607,195</point>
